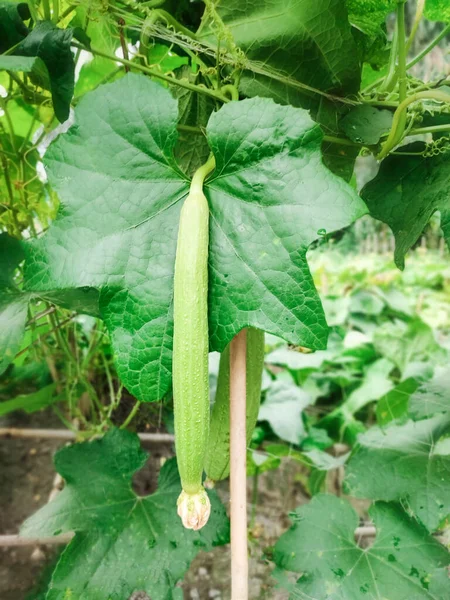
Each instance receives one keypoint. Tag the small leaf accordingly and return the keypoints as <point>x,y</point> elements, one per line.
<point>432,397</point>
<point>365,124</point>
<point>25,64</point>
<point>33,402</point>
<point>369,16</point>
<point>12,26</point>
<point>13,316</point>
<point>11,255</point>
<point>191,149</point>
<point>283,408</point>
<point>404,563</point>
<point>13,303</point>
<point>52,46</point>
<point>366,302</point>
<point>394,404</point>
<point>407,191</point>
<point>123,542</point>
<point>400,463</point>
<point>404,343</point>
<point>297,361</point>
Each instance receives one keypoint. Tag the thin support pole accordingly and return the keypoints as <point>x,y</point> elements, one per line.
<point>238,468</point>
<point>68,435</point>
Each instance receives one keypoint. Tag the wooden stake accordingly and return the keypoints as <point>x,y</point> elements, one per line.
<point>238,468</point>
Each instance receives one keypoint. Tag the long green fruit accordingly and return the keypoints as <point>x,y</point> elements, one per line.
<point>217,461</point>
<point>190,353</point>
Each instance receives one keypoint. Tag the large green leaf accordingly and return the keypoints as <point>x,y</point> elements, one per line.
<point>116,233</point>
<point>404,563</point>
<point>306,41</point>
<point>400,462</point>
<point>406,192</point>
<point>52,46</point>
<point>432,397</point>
<point>12,27</point>
<point>123,542</point>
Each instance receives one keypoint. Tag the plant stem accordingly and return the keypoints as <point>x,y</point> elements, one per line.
<point>47,11</point>
<point>417,18</point>
<point>337,140</point>
<point>202,173</point>
<point>428,48</point>
<point>231,90</point>
<point>416,59</point>
<point>131,416</point>
<point>55,11</point>
<point>67,12</point>
<point>431,129</point>
<point>9,189</point>
<point>390,78</point>
<point>180,82</point>
<point>238,468</point>
<point>254,497</point>
<point>33,11</point>
<point>396,133</point>
<point>401,69</point>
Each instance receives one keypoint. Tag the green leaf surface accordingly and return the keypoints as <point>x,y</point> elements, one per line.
<point>13,316</point>
<point>268,197</point>
<point>400,463</point>
<point>191,149</point>
<point>432,397</point>
<point>283,408</point>
<point>365,124</point>
<point>297,361</point>
<point>339,158</point>
<point>123,542</point>
<point>30,403</point>
<point>375,384</point>
<point>394,404</point>
<point>13,304</point>
<point>366,302</point>
<point>26,64</point>
<point>104,36</point>
<point>437,10</point>
<point>304,41</point>
<point>404,343</point>
<point>369,15</point>
<point>404,563</point>
<point>11,255</point>
<point>406,192</point>
<point>12,27</point>
<point>52,46</point>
